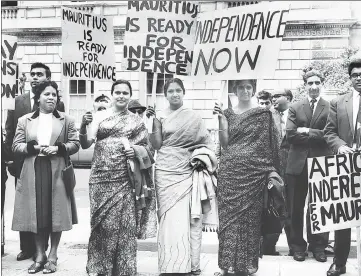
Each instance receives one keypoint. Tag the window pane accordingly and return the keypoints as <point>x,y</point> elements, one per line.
<point>81,87</point>
<point>73,87</point>
<point>92,87</point>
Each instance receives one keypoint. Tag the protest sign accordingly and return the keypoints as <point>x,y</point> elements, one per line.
<point>334,192</point>
<point>9,69</point>
<point>87,46</point>
<point>159,36</point>
<point>239,43</point>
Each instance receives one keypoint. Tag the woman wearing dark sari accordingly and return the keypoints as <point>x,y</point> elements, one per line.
<point>177,131</point>
<point>248,137</point>
<point>119,134</point>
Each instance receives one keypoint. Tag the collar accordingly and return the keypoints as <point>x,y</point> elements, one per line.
<point>36,114</point>
<point>317,99</point>
<point>355,92</point>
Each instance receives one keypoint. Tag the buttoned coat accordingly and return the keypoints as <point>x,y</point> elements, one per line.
<point>63,207</point>
<point>313,144</point>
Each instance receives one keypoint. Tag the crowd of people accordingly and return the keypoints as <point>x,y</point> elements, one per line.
<point>167,181</point>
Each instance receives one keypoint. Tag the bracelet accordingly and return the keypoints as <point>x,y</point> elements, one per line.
<point>85,134</point>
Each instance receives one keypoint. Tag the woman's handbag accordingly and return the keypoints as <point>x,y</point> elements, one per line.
<point>68,175</point>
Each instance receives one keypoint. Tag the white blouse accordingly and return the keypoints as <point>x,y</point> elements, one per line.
<point>45,128</point>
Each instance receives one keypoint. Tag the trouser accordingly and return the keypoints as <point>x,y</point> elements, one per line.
<point>342,246</point>
<point>298,187</point>
<point>270,240</point>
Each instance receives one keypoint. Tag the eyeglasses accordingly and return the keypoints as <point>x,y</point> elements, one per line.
<point>139,111</point>
<point>355,75</point>
<point>38,74</point>
<point>314,82</point>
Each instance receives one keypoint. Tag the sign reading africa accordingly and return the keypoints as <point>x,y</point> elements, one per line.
<point>159,36</point>
<point>334,192</point>
<point>9,68</point>
<point>88,46</point>
<point>242,41</point>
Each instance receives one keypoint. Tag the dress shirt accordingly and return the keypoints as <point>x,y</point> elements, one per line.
<point>32,95</point>
<point>284,121</point>
<point>316,102</point>
<point>45,127</point>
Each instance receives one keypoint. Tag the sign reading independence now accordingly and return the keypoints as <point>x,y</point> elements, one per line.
<point>159,36</point>
<point>88,46</point>
<point>241,43</point>
<point>334,191</point>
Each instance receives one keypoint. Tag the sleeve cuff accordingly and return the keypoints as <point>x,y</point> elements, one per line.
<point>30,147</point>
<point>61,148</point>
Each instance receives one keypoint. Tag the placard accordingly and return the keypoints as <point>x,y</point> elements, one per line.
<point>334,192</point>
<point>9,69</point>
<point>239,43</point>
<point>159,36</point>
<point>87,46</point>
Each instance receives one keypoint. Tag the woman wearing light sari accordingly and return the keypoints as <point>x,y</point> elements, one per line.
<point>176,133</point>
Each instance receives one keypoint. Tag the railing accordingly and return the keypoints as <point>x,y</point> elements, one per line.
<point>9,12</point>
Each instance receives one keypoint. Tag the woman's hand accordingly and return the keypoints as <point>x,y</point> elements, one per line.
<point>51,150</point>
<point>218,110</point>
<point>87,118</point>
<point>150,111</point>
<point>129,152</point>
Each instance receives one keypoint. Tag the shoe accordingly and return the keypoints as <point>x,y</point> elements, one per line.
<point>274,253</point>
<point>335,270</point>
<point>50,266</point>
<point>23,255</point>
<point>196,272</point>
<point>36,267</point>
<point>299,256</point>
<point>320,256</point>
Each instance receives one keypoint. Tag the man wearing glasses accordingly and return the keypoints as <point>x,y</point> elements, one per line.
<point>304,132</point>
<point>25,104</point>
<point>343,135</point>
<point>135,107</point>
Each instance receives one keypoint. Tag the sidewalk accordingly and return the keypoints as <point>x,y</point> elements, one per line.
<point>72,262</point>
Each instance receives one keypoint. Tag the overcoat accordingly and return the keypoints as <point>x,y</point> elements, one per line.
<point>63,206</point>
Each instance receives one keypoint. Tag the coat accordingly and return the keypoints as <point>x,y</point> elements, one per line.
<point>340,128</point>
<point>303,146</point>
<point>22,107</point>
<point>63,213</point>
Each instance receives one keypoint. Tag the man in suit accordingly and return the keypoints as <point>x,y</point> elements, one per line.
<point>304,131</point>
<point>342,134</point>
<point>25,104</point>
<point>264,99</point>
<point>281,100</point>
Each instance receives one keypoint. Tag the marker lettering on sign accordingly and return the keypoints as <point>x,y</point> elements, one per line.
<point>9,68</point>
<point>180,7</point>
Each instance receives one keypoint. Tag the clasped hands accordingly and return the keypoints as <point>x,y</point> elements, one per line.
<point>47,150</point>
<point>305,130</point>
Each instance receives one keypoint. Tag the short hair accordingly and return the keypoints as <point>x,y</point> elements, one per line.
<point>289,94</point>
<point>264,95</point>
<point>253,82</point>
<point>121,82</point>
<point>354,63</point>
<point>310,72</point>
<point>173,80</point>
<point>41,65</point>
<point>40,87</point>
<point>101,97</point>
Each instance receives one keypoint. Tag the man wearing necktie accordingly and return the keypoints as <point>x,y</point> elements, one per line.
<point>304,131</point>
<point>25,104</point>
<point>342,134</point>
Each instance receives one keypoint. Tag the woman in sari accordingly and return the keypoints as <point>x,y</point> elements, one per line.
<point>176,133</point>
<point>112,244</point>
<point>248,137</point>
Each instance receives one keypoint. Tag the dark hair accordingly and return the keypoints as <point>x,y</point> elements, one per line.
<point>121,82</point>
<point>40,87</point>
<point>264,95</point>
<point>41,65</point>
<point>253,82</point>
<point>173,80</point>
<point>355,63</point>
<point>310,72</point>
<point>289,94</point>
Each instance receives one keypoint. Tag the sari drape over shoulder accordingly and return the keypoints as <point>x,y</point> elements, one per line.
<point>182,132</point>
<point>252,153</point>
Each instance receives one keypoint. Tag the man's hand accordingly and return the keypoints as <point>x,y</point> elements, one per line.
<point>305,130</point>
<point>345,149</point>
<point>87,118</point>
<point>129,152</point>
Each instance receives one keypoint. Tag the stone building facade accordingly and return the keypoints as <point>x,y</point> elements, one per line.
<point>315,30</point>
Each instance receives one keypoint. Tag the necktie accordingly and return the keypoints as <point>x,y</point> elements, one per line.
<point>283,130</point>
<point>357,137</point>
<point>313,104</point>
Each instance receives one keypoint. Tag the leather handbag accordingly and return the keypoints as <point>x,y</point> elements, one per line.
<point>68,175</point>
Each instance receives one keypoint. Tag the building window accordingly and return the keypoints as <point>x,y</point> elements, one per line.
<point>78,87</point>
<point>161,79</point>
<point>232,4</point>
<point>9,3</point>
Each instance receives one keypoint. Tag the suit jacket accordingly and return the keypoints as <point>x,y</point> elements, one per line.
<point>64,209</point>
<point>22,107</point>
<point>340,128</point>
<point>303,146</point>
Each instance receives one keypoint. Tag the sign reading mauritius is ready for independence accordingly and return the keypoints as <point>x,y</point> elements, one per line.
<point>88,46</point>
<point>334,190</point>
